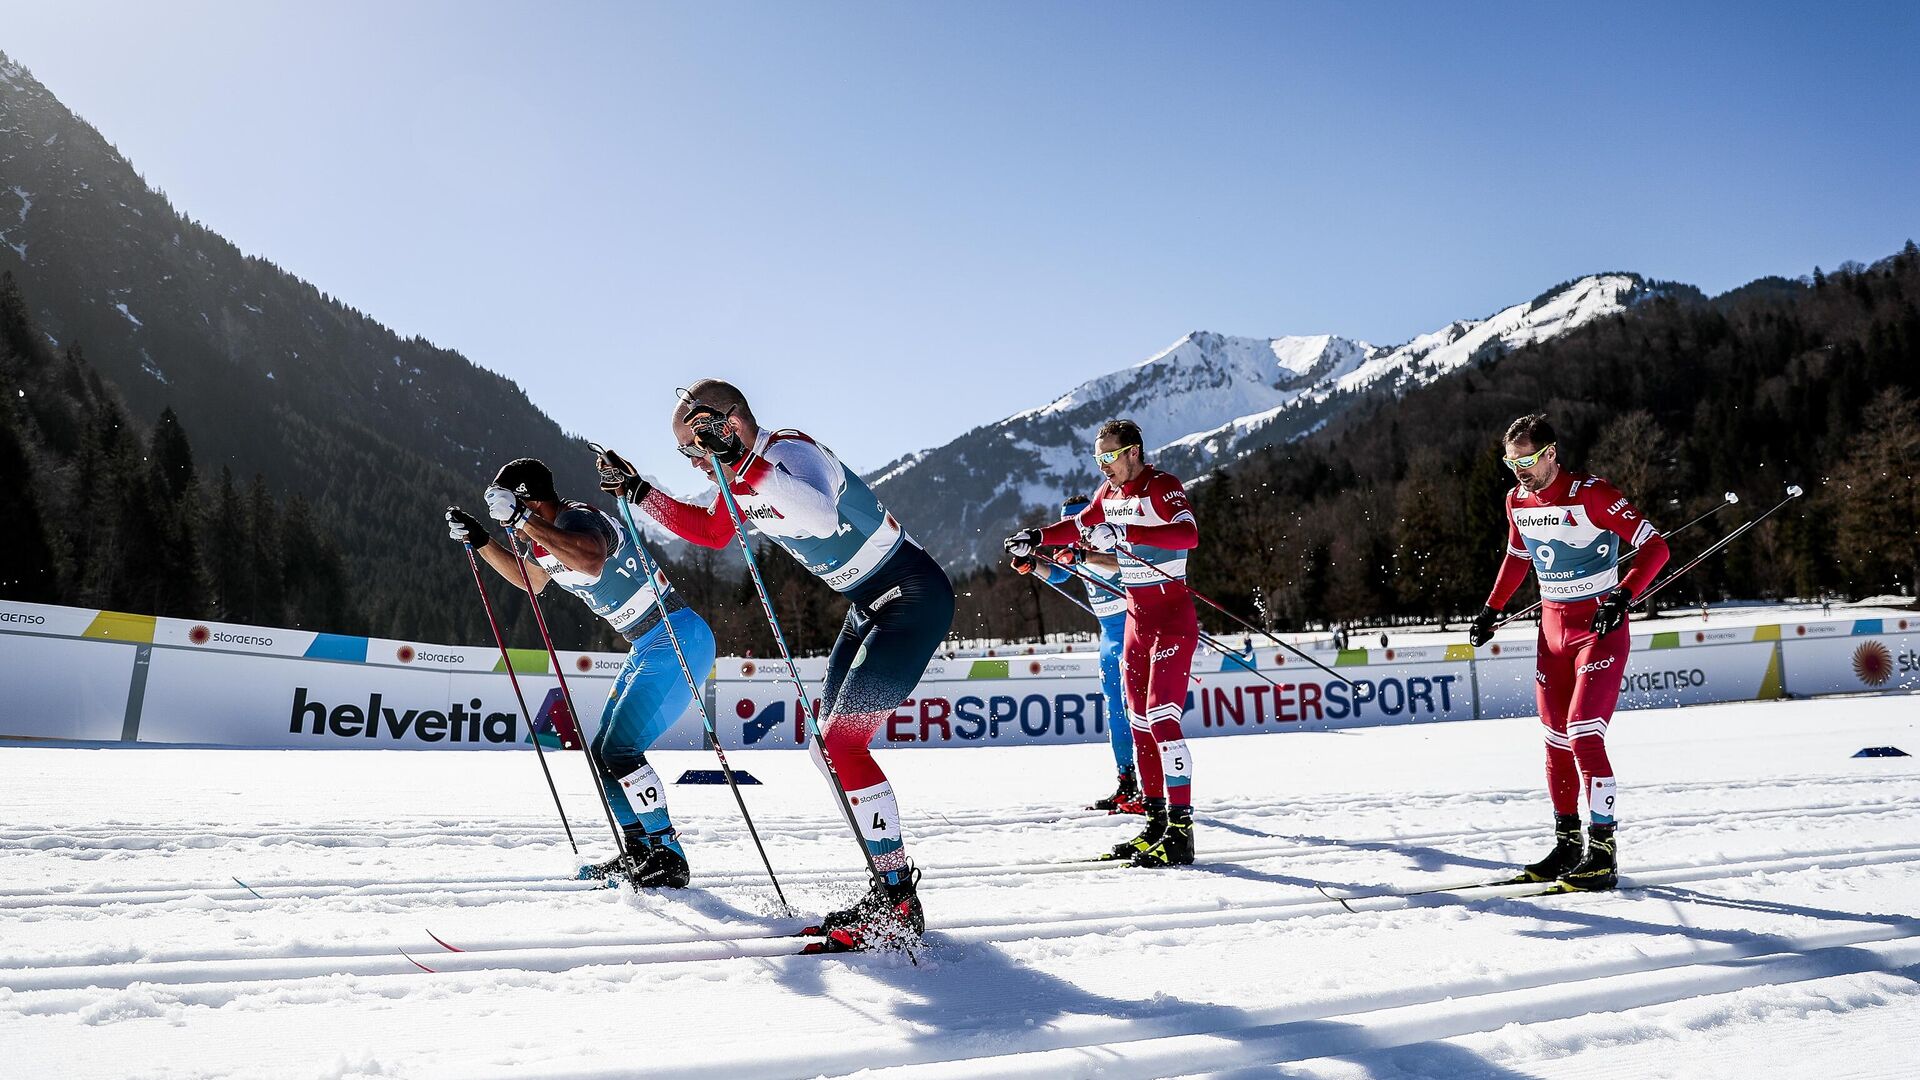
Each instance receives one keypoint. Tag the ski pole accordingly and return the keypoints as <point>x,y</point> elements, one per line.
<point>539,752</point>
<point>1270,636</point>
<point>1794,491</point>
<point>706,717</point>
<point>793,671</point>
<point>1076,602</point>
<point>1725,501</point>
<point>1218,645</point>
<point>579,725</point>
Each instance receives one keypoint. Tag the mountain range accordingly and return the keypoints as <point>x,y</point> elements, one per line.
<point>1204,402</point>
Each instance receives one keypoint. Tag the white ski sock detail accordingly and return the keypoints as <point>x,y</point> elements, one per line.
<point>1176,762</point>
<point>644,790</point>
<point>1600,796</point>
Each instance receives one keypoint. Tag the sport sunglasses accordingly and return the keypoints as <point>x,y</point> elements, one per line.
<point>1528,462</point>
<point>1108,457</point>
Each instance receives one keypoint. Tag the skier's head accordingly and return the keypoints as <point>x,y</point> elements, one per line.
<point>1118,451</point>
<point>709,397</point>
<point>1532,451</point>
<point>528,478</point>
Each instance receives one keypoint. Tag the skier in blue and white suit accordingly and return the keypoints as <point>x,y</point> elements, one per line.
<point>589,553</point>
<point>1110,607</point>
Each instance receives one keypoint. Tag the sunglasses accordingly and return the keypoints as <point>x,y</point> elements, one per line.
<point>1108,457</point>
<point>1528,462</point>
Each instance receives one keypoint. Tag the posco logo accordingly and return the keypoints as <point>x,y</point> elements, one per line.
<point>1597,665</point>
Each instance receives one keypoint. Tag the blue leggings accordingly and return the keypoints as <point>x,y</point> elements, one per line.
<point>1113,633</point>
<point>649,694</point>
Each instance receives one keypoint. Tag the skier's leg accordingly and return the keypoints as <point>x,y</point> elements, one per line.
<point>1553,692</point>
<point>1136,666</point>
<point>889,649</point>
<point>1171,656</point>
<point>655,696</point>
<point>1113,630</point>
<point>1599,669</point>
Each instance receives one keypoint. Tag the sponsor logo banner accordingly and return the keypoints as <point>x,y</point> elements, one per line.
<point>1870,663</point>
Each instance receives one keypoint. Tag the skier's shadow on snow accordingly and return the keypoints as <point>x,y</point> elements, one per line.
<point>1422,856</point>
<point>972,998</point>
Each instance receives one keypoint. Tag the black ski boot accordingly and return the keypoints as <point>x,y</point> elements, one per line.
<point>1156,811</point>
<point>1175,847</point>
<point>889,916</point>
<point>1125,798</point>
<point>1565,854</point>
<point>664,868</point>
<point>1598,871</point>
<point>623,866</point>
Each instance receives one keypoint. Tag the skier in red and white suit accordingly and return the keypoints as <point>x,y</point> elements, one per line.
<point>1143,514</point>
<point>1569,528</point>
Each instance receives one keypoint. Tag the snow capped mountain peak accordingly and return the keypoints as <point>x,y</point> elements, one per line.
<point>1202,401</point>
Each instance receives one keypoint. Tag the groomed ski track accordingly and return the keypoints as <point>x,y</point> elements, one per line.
<point>211,931</point>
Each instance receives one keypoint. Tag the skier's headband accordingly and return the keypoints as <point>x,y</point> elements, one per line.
<point>1530,460</point>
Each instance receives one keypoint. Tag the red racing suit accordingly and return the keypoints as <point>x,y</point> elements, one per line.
<point>1570,534</point>
<point>1162,630</point>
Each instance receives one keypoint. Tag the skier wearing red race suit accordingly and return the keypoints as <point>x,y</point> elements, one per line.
<point>900,605</point>
<point>1569,529</point>
<point>1143,513</point>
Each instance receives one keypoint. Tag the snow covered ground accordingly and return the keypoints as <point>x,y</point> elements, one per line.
<point>1772,926</point>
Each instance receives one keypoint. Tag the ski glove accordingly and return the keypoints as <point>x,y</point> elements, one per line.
<point>710,434</point>
<point>1612,613</point>
<point>1482,629</point>
<point>466,528</point>
<point>1021,544</point>
<point>1105,536</point>
<point>619,478</point>
<point>505,507</point>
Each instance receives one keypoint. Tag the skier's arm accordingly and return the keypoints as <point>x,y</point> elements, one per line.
<point>502,561</point>
<point>1066,531</point>
<point>1611,509</point>
<point>708,527</point>
<point>1513,568</point>
<point>1181,532</point>
<point>802,483</point>
<point>580,539</point>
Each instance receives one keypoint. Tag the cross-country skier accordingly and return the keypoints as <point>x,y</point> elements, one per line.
<point>899,608</point>
<point>1569,527</point>
<point>1142,513</point>
<point>588,552</point>
<point>1110,608</point>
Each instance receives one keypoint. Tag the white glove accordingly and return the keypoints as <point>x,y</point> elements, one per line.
<point>505,507</point>
<point>1104,537</point>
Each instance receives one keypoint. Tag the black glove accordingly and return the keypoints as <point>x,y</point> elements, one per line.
<point>1023,564</point>
<point>1611,615</point>
<point>1482,630</point>
<point>619,478</point>
<point>466,528</point>
<point>1021,544</point>
<point>710,434</point>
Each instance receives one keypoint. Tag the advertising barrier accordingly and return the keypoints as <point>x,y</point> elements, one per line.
<point>97,676</point>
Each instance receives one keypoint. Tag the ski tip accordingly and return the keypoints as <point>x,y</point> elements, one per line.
<point>442,944</point>
<point>249,888</point>
<point>418,964</point>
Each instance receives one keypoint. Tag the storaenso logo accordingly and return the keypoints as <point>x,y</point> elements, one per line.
<point>1647,682</point>
<point>459,723</point>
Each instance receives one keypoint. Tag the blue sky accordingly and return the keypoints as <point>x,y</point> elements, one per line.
<point>892,222</point>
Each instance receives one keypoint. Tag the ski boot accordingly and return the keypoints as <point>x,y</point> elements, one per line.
<point>1125,798</point>
<point>1175,846</point>
<point>1156,811</point>
<point>1598,871</point>
<point>664,868</point>
<point>1564,856</point>
<point>889,916</point>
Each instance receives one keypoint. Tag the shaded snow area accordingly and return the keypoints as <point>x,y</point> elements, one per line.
<point>1770,925</point>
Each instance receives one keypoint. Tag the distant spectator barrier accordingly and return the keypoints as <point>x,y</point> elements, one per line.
<point>70,674</point>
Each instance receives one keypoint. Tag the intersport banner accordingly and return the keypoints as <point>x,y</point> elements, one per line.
<point>1059,699</point>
